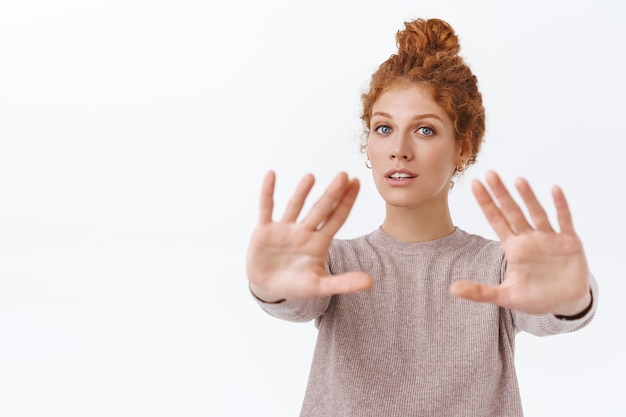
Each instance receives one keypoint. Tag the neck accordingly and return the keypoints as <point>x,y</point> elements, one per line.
<point>418,224</point>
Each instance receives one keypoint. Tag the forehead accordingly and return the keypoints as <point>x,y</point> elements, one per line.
<point>403,95</point>
<point>408,101</point>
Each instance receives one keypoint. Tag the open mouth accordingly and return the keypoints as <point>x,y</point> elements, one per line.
<point>400,176</point>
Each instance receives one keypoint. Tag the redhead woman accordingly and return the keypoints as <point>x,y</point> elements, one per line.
<point>419,317</point>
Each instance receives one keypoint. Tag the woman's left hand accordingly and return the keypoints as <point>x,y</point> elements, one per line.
<point>546,270</point>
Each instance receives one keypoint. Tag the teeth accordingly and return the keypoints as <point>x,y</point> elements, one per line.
<point>399,175</point>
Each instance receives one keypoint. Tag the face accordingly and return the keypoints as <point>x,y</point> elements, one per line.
<point>412,148</point>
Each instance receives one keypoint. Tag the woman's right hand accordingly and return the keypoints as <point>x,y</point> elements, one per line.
<point>286,260</point>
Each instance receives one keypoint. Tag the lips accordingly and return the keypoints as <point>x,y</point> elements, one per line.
<point>400,174</point>
<point>400,177</point>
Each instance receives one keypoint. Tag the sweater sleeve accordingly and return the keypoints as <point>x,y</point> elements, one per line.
<point>548,324</point>
<point>295,310</point>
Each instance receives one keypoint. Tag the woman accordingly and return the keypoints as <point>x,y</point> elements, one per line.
<point>419,317</point>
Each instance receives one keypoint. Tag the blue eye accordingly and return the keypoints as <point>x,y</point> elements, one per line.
<point>426,131</point>
<point>383,130</point>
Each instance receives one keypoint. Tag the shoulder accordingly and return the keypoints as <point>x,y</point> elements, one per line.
<point>483,258</point>
<point>361,253</point>
<point>482,244</point>
<point>354,246</point>
<point>482,249</point>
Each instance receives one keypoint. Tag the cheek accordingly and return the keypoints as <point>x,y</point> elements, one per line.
<point>445,155</point>
<point>440,160</point>
<point>376,153</point>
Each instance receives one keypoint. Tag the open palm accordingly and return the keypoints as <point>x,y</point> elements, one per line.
<point>546,270</point>
<point>287,259</point>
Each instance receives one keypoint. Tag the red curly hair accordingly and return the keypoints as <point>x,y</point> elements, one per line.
<point>428,55</point>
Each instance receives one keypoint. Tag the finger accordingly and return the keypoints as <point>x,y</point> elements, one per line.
<point>296,202</point>
<point>563,213</point>
<point>340,214</point>
<point>345,283</point>
<point>535,209</point>
<point>491,210</point>
<point>327,202</point>
<point>509,208</point>
<point>474,291</point>
<point>266,205</point>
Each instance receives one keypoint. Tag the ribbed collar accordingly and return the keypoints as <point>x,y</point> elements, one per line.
<point>454,240</point>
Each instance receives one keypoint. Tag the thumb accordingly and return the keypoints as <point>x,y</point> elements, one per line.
<point>349,282</point>
<point>474,291</point>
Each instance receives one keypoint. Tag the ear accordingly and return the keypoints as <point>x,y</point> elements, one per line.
<point>464,148</point>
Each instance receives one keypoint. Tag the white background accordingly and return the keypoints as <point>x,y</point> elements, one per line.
<point>133,138</point>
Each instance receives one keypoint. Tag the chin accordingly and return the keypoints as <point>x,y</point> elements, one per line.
<point>403,202</point>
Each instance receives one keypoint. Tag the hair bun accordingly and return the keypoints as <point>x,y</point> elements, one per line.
<point>430,36</point>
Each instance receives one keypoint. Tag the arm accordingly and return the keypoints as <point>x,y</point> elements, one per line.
<point>547,271</point>
<point>286,260</point>
<point>549,324</point>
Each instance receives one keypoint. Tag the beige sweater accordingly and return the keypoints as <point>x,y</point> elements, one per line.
<point>408,348</point>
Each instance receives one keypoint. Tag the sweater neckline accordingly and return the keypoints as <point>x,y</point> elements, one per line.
<point>454,240</point>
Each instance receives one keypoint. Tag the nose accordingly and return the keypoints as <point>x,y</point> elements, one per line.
<point>402,148</point>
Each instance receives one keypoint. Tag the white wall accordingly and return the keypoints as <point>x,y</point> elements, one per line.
<point>133,138</point>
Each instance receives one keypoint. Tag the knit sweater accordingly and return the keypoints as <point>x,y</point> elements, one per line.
<point>406,347</point>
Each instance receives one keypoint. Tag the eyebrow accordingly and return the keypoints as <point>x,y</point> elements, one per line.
<point>416,117</point>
